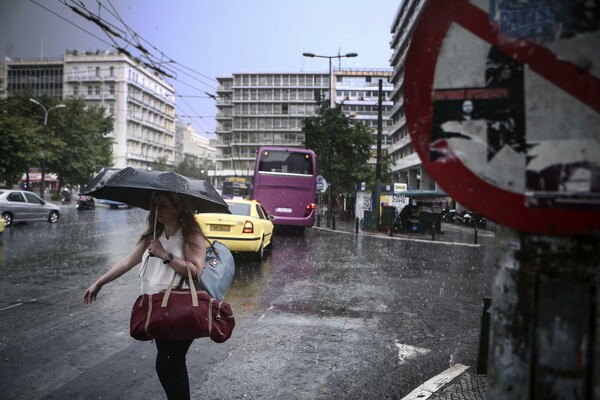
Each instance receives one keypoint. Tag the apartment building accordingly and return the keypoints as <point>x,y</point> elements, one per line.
<point>255,109</point>
<point>191,144</point>
<point>406,164</point>
<point>357,92</point>
<point>41,76</point>
<point>141,103</point>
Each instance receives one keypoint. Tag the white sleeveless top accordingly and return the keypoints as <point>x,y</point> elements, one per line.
<point>158,275</point>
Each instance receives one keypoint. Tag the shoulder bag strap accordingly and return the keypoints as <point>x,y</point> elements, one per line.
<point>192,288</point>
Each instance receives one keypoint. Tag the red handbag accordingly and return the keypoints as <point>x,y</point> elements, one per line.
<point>181,314</point>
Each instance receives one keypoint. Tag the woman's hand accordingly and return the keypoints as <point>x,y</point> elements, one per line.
<point>156,249</point>
<point>91,293</point>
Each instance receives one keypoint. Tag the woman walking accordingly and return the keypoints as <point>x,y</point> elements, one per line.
<point>172,243</point>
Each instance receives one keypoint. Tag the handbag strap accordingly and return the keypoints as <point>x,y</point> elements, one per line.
<point>212,246</point>
<point>192,287</point>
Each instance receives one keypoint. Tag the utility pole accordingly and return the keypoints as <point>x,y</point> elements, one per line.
<point>377,199</point>
<point>45,134</point>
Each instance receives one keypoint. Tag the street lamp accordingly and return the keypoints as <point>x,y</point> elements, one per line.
<point>329,136</point>
<point>46,111</point>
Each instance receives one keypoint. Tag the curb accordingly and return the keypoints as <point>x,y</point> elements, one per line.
<point>396,237</point>
<point>427,389</point>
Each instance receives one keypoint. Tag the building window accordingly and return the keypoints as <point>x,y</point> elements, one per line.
<point>90,90</point>
<point>111,90</point>
<point>76,90</point>
<point>98,72</point>
<point>112,71</point>
<point>98,90</point>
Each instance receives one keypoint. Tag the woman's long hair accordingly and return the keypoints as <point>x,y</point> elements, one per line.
<point>186,217</point>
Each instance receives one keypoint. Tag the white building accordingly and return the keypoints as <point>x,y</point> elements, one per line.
<point>141,103</point>
<point>406,166</point>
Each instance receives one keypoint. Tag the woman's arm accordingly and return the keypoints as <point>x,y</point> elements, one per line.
<point>194,253</point>
<point>126,264</point>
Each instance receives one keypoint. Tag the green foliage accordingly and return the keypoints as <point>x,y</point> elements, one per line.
<point>74,143</point>
<point>369,174</point>
<point>160,164</point>
<point>20,138</point>
<point>351,143</point>
<point>194,168</point>
<point>78,145</point>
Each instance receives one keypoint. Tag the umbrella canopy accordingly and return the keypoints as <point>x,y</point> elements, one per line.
<point>99,179</point>
<point>135,187</point>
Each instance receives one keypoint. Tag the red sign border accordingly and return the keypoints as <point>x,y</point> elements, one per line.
<point>504,207</point>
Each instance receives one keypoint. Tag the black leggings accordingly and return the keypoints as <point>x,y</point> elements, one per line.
<point>171,369</point>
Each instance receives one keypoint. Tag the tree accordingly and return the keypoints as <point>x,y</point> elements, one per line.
<point>188,167</point>
<point>369,174</point>
<point>20,138</point>
<point>194,167</point>
<point>77,142</point>
<point>160,164</point>
<point>351,143</point>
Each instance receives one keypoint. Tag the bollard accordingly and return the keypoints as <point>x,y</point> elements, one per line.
<point>356,224</point>
<point>484,337</point>
<point>433,231</point>
<point>333,221</point>
<point>319,219</point>
<point>475,235</point>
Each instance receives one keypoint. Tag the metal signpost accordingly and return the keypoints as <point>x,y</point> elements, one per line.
<point>502,105</point>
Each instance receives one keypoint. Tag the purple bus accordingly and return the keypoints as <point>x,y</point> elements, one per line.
<point>285,183</point>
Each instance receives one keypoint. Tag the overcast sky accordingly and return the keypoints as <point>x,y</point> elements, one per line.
<point>208,38</point>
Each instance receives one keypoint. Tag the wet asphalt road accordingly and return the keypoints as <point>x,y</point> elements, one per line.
<point>328,315</point>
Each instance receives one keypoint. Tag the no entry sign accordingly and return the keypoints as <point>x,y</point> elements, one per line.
<point>502,105</point>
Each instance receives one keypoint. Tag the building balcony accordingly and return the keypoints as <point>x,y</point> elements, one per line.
<point>396,127</point>
<point>408,162</point>
<point>397,106</point>
<point>394,147</point>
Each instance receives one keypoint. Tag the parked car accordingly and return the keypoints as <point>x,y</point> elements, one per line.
<point>247,229</point>
<point>21,205</point>
<point>2,225</point>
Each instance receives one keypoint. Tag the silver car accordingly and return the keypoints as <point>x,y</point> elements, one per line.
<point>21,205</point>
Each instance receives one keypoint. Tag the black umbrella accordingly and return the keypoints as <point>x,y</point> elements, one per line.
<point>99,179</point>
<point>135,187</point>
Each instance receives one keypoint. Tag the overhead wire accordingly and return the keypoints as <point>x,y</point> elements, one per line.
<point>135,40</point>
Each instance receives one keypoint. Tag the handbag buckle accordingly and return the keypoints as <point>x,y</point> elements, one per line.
<point>214,262</point>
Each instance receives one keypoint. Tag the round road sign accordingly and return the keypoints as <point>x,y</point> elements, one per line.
<point>502,105</point>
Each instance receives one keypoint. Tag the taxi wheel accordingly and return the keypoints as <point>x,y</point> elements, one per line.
<point>260,254</point>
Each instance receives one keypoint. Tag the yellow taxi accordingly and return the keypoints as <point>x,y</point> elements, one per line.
<point>247,229</point>
<point>2,224</point>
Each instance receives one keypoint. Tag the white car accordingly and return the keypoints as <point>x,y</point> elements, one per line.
<point>21,206</point>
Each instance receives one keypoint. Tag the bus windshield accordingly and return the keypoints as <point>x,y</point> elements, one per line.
<point>285,184</point>
<point>285,162</point>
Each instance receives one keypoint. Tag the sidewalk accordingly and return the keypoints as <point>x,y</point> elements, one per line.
<point>458,382</point>
<point>450,233</point>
